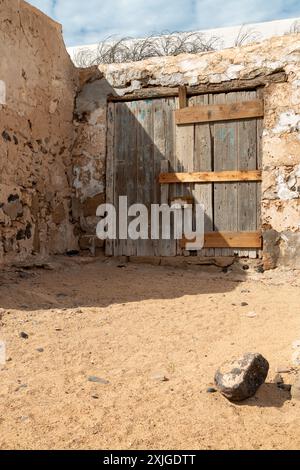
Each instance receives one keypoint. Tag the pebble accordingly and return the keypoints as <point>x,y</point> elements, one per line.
<point>296,358</point>
<point>159,377</point>
<point>244,304</point>
<point>24,335</point>
<point>245,267</point>
<point>283,369</point>
<point>260,269</point>
<point>93,378</point>
<point>40,350</point>
<point>250,314</point>
<point>277,379</point>
<point>211,390</point>
<point>20,387</point>
<point>295,389</point>
<point>72,253</point>
<point>24,418</point>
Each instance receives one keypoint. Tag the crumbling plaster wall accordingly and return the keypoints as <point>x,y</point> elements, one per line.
<point>38,84</point>
<point>281,134</point>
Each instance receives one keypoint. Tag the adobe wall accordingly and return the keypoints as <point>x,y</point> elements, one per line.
<point>281,135</point>
<point>38,84</point>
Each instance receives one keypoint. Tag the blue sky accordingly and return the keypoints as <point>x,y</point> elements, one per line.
<point>90,21</point>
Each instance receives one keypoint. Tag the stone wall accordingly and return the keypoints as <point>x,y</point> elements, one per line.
<point>38,84</point>
<point>281,135</point>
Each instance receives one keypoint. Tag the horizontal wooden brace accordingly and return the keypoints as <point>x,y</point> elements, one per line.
<point>220,112</point>
<point>210,176</point>
<point>229,240</point>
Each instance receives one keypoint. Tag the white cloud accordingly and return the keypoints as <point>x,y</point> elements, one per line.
<point>90,21</point>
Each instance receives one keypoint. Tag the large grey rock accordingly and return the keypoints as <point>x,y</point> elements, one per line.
<point>240,378</point>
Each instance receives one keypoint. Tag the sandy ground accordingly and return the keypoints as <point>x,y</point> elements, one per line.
<point>126,324</point>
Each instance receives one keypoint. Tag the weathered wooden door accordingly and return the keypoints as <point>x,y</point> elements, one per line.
<point>146,139</point>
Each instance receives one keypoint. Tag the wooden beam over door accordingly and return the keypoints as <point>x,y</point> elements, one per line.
<point>220,112</point>
<point>223,87</point>
<point>210,176</point>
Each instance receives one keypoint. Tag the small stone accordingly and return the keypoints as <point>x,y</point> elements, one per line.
<point>40,350</point>
<point>122,265</point>
<point>260,269</point>
<point>295,389</point>
<point>20,387</point>
<point>251,315</point>
<point>24,418</point>
<point>244,304</point>
<point>240,378</point>
<point>283,369</point>
<point>93,378</point>
<point>277,379</point>
<point>24,335</point>
<point>245,267</point>
<point>245,291</point>
<point>72,253</point>
<point>159,377</point>
<point>296,357</point>
<point>95,397</point>
<point>6,136</point>
<point>211,390</point>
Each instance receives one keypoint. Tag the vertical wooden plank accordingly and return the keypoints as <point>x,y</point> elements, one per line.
<point>131,165</point>
<point>183,101</point>
<point>145,168</point>
<point>247,197</point>
<point>121,149</point>
<point>110,187</point>
<point>225,158</point>
<point>202,193</point>
<point>169,106</point>
<point>260,94</point>
<point>164,188</point>
<point>159,151</point>
<point>163,138</point>
<point>165,246</point>
<point>184,161</point>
